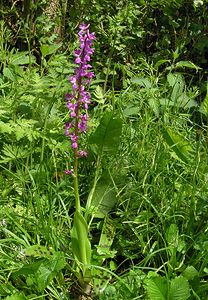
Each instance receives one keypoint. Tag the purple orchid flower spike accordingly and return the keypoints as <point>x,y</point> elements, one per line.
<point>78,101</point>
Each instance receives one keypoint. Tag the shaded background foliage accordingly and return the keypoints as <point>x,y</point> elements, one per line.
<point>124,29</point>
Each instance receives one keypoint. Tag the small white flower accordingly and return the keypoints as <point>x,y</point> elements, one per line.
<point>3,222</point>
<point>198,3</point>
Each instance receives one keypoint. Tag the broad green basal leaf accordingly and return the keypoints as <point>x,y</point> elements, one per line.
<point>107,135</point>
<point>179,289</point>
<point>81,246</point>
<point>181,147</point>
<point>104,197</point>
<point>157,288</point>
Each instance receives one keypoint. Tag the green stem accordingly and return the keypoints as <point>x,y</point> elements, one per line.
<point>109,63</point>
<point>91,194</point>
<point>76,182</point>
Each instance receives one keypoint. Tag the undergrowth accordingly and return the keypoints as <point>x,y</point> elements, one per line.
<point>149,235</point>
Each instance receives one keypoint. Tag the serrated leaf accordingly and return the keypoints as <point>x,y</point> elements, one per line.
<point>49,269</point>
<point>81,246</point>
<point>5,127</point>
<point>185,102</point>
<point>160,62</point>
<point>187,64</point>
<point>176,81</point>
<point>131,110</point>
<point>16,296</point>
<point>157,288</point>
<point>173,78</point>
<point>143,82</point>
<point>155,105</point>
<point>107,134</point>
<point>43,270</point>
<point>190,273</point>
<point>178,144</point>
<point>179,289</point>
<point>49,49</point>
<point>22,58</point>
<point>9,74</point>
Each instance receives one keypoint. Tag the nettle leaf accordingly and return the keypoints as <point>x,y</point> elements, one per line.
<point>160,62</point>
<point>187,64</point>
<point>143,82</point>
<point>178,144</point>
<point>176,81</point>
<point>157,288</point>
<point>107,135</point>
<point>131,110</point>
<point>9,74</point>
<point>49,269</point>
<point>16,296</point>
<point>81,246</point>
<point>41,272</point>
<point>49,49</point>
<point>22,58</point>
<point>173,78</point>
<point>154,103</point>
<point>190,273</point>
<point>179,289</point>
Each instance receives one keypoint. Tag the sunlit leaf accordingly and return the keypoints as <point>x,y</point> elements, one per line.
<point>81,246</point>
<point>131,110</point>
<point>9,74</point>
<point>204,105</point>
<point>179,289</point>
<point>157,288</point>
<point>178,144</point>
<point>187,64</point>
<point>190,273</point>
<point>22,58</point>
<point>106,238</point>
<point>16,296</point>
<point>98,95</point>
<point>49,49</point>
<point>104,197</point>
<point>107,135</point>
<point>176,81</point>
<point>172,235</point>
<point>143,82</point>
<point>160,62</point>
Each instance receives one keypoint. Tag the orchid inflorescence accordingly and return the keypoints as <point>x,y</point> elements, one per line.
<point>79,100</point>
